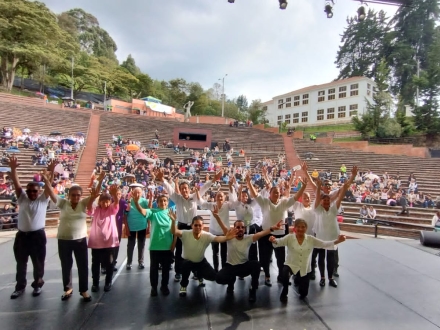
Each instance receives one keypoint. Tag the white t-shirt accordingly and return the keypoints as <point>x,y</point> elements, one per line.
<point>73,223</point>
<point>238,250</point>
<point>223,213</point>
<point>32,214</point>
<point>194,249</point>
<point>307,214</point>
<point>326,225</point>
<point>273,213</point>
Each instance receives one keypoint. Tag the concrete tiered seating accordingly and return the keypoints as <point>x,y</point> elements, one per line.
<point>43,121</point>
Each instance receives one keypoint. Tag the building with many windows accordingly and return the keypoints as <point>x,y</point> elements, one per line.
<point>326,104</point>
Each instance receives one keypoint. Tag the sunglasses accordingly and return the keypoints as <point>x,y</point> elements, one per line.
<point>32,191</point>
<point>75,195</point>
<point>240,227</point>
<point>197,225</point>
<point>327,185</point>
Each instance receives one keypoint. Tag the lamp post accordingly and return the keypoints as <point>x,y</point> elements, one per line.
<point>71,89</point>
<point>418,76</point>
<point>223,95</point>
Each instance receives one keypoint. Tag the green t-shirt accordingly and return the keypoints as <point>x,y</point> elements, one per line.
<point>160,232</point>
<point>136,221</point>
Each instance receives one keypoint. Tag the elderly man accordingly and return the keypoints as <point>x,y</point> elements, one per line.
<point>30,240</point>
<point>186,209</point>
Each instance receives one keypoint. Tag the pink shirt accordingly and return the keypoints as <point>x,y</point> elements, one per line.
<point>103,232</point>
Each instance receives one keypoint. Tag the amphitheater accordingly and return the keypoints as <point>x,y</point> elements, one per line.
<point>388,279</point>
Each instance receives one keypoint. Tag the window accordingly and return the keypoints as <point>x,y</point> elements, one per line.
<point>354,86</point>
<point>320,111</point>
<point>280,101</point>
<point>342,95</point>
<point>341,115</point>
<point>280,106</point>
<point>289,99</point>
<point>287,121</point>
<point>341,112</point>
<point>343,88</point>
<point>330,116</point>
<point>331,97</point>
<point>305,96</point>
<point>305,101</point>
<point>331,91</point>
<point>369,86</point>
<point>288,105</point>
<point>304,114</point>
<point>296,103</point>
<point>353,110</point>
<point>320,117</point>
<point>296,98</point>
<point>304,120</point>
<point>321,93</point>
<point>331,110</point>
<point>280,117</point>
<point>296,115</point>
<point>368,93</point>
<point>265,108</point>
<point>287,117</point>
<point>321,98</point>
<point>354,93</point>
<point>279,122</point>
<point>295,121</point>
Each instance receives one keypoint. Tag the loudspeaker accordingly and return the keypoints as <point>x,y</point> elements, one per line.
<point>430,238</point>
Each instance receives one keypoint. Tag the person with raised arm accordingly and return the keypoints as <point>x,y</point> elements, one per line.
<point>273,209</point>
<point>238,263</point>
<point>161,241</point>
<point>223,210</point>
<point>104,238</point>
<point>299,251</point>
<point>194,244</point>
<point>30,240</point>
<point>72,237</point>
<point>326,228</point>
<point>186,209</point>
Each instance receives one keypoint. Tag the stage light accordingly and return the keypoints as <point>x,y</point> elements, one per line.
<point>283,4</point>
<point>328,9</point>
<point>231,1</point>
<point>361,13</point>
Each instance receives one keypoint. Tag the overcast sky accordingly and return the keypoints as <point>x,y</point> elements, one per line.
<point>264,50</point>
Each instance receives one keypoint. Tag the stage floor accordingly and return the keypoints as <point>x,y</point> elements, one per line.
<point>384,284</point>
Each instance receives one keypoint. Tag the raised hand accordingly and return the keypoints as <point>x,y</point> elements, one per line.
<point>94,193</point>
<point>232,233</point>
<point>149,194</point>
<point>113,189</point>
<point>354,170</point>
<point>46,176</point>
<point>272,239</point>
<point>172,215</point>
<point>13,162</point>
<point>101,176</point>
<point>159,174</point>
<point>264,170</point>
<point>218,175</point>
<point>207,177</point>
<point>304,181</point>
<point>304,166</point>
<point>214,210</point>
<point>51,165</point>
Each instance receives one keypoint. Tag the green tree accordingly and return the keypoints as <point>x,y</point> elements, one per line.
<point>242,103</point>
<point>130,65</point>
<point>28,32</point>
<point>256,112</point>
<point>363,45</point>
<point>390,128</point>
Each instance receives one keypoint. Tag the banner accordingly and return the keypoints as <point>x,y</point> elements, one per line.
<point>159,107</point>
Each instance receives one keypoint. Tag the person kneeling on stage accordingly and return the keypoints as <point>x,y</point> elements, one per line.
<point>299,251</point>
<point>237,263</point>
<point>194,244</point>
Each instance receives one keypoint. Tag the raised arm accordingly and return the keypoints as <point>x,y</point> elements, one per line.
<point>93,195</point>
<point>299,193</point>
<point>48,191</point>
<point>13,164</point>
<point>266,232</point>
<point>219,220</point>
<point>174,230</point>
<point>341,194</point>
<point>251,188</point>
<point>114,193</point>
<point>304,167</point>
<point>318,193</point>
<point>138,207</point>
<point>51,169</point>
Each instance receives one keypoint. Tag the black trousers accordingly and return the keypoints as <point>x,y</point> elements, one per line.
<point>203,268</point>
<point>330,262</point>
<point>253,250</point>
<point>229,273</point>
<point>178,253</point>
<point>30,244</point>
<point>301,281</point>
<point>116,249</point>
<point>266,249</point>
<point>336,259</point>
<point>314,255</point>
<point>163,258</point>
<point>216,247</point>
<point>132,242</point>
<point>102,258</point>
<point>79,248</point>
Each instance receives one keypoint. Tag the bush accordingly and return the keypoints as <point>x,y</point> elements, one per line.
<point>389,129</point>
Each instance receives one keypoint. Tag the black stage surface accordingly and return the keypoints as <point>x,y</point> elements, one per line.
<point>384,284</point>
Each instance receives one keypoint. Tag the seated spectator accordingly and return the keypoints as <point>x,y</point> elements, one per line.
<point>436,221</point>
<point>412,198</point>
<point>371,212</point>
<point>6,220</point>
<point>363,215</point>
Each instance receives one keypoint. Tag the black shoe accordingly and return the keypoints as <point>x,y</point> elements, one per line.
<point>322,282</point>
<point>165,291</point>
<point>332,283</point>
<point>95,288</point>
<point>128,267</point>
<point>66,295</point>
<point>153,292</point>
<point>267,282</point>
<point>141,265</point>
<point>17,293</point>
<point>312,276</point>
<point>37,291</point>
<point>103,271</point>
<point>252,295</point>
<point>302,297</point>
<point>230,289</point>
<point>335,273</point>
<point>107,287</point>
<point>115,269</point>
<point>86,297</point>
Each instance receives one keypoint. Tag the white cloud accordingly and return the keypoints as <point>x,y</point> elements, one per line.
<point>264,50</point>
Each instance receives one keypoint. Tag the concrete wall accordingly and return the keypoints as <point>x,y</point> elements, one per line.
<point>391,149</point>
<point>210,120</point>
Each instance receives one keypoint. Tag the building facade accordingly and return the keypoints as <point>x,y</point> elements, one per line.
<point>333,103</point>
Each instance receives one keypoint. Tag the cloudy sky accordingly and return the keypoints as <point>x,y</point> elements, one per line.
<point>264,50</point>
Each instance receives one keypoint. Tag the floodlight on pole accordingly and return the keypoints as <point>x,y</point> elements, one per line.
<point>328,9</point>
<point>283,4</point>
<point>223,94</point>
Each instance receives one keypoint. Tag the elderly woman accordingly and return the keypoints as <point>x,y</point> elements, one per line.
<point>72,237</point>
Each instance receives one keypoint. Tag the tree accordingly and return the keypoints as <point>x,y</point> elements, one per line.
<point>130,65</point>
<point>256,112</point>
<point>413,33</point>
<point>242,103</point>
<point>363,45</point>
<point>390,128</point>
<point>28,32</point>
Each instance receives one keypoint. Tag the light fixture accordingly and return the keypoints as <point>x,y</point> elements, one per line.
<point>231,1</point>
<point>283,4</point>
<point>361,13</point>
<point>328,9</point>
